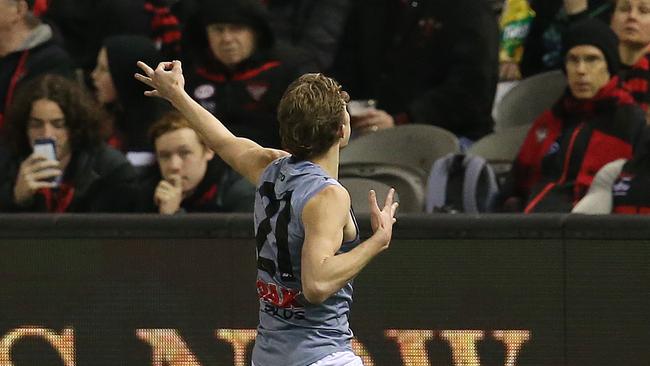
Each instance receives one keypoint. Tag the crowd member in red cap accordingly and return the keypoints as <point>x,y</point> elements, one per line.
<point>593,123</point>
<point>27,49</point>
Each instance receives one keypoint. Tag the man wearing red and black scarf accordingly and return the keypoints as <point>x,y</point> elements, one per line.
<point>595,122</point>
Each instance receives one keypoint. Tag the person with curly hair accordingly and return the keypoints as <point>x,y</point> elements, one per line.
<point>87,176</point>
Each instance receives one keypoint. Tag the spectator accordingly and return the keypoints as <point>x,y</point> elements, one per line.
<point>26,50</point>
<point>91,176</point>
<point>432,62</point>
<point>190,177</point>
<point>123,96</point>
<point>543,43</point>
<point>85,24</point>
<point>594,123</point>
<point>631,22</point>
<point>312,25</point>
<point>237,72</point>
<point>621,186</point>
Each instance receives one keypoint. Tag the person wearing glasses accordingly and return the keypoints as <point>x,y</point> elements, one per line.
<point>593,123</point>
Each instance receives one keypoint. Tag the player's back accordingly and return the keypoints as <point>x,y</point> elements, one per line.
<point>293,332</point>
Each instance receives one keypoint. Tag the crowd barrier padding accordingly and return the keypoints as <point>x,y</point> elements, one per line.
<point>451,290</point>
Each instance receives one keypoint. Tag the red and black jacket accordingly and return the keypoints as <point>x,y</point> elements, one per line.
<point>246,99</point>
<point>630,191</point>
<point>568,144</point>
<point>636,80</point>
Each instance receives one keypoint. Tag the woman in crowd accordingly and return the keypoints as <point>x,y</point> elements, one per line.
<point>631,23</point>
<point>123,97</point>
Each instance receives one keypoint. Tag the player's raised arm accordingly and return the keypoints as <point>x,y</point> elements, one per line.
<point>245,156</point>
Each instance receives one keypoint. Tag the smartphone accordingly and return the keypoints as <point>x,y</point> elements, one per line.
<point>47,148</point>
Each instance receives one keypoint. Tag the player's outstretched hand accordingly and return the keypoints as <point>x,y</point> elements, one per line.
<point>382,220</point>
<point>166,80</point>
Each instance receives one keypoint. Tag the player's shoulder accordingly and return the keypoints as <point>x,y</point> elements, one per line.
<point>268,155</point>
<point>332,202</point>
<point>331,196</point>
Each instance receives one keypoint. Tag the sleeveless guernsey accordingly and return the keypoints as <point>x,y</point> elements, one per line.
<point>291,331</point>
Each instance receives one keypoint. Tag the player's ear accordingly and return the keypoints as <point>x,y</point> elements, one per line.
<point>341,131</point>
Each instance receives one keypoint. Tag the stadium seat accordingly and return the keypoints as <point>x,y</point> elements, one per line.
<point>528,99</point>
<point>415,146</point>
<point>359,188</point>
<point>500,149</point>
<point>408,183</point>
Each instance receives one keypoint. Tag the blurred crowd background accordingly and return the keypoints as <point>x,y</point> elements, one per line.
<point>464,106</point>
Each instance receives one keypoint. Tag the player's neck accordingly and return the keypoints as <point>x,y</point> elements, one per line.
<point>329,161</point>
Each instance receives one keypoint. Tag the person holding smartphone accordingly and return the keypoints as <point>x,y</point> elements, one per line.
<point>58,162</point>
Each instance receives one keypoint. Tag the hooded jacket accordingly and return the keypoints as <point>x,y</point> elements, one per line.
<point>133,112</point>
<point>244,98</point>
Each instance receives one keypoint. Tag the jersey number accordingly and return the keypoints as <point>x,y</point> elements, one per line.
<point>281,208</point>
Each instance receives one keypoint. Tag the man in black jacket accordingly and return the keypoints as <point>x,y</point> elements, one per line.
<point>432,62</point>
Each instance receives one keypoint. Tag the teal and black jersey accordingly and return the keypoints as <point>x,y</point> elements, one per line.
<point>293,332</point>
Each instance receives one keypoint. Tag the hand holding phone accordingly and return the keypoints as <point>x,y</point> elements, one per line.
<point>39,170</point>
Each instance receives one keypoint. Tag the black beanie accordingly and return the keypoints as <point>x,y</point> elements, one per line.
<point>595,33</point>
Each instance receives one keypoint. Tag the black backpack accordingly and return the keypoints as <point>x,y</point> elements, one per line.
<point>461,183</point>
